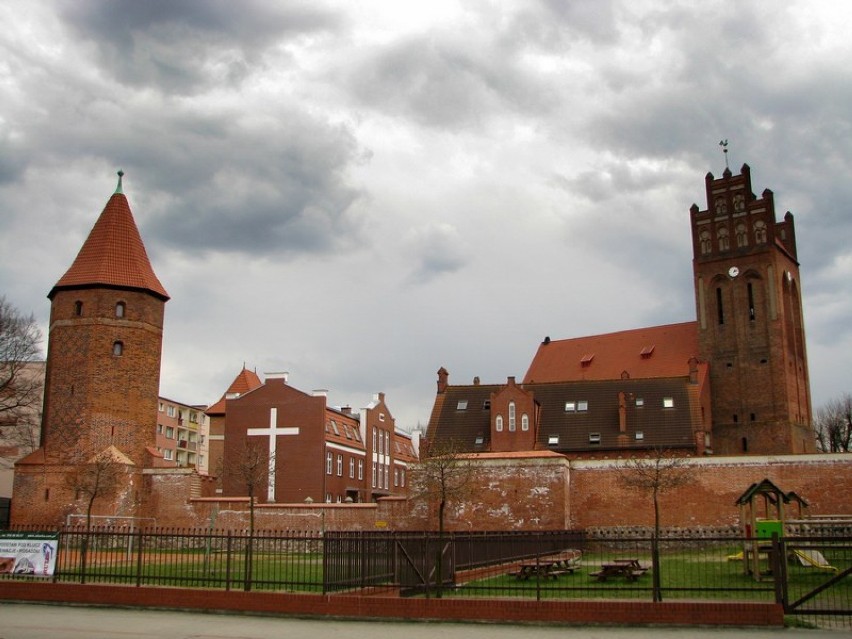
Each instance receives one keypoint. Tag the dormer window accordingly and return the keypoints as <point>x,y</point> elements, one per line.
<point>570,407</point>
<point>594,438</point>
<point>668,402</point>
<point>479,441</point>
<point>462,405</point>
<point>553,440</point>
<point>640,402</point>
<point>586,360</point>
<point>639,436</point>
<point>486,405</point>
<point>582,405</point>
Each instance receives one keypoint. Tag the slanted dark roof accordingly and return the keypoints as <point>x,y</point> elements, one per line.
<point>462,426</point>
<point>113,255</point>
<point>659,427</point>
<point>592,425</point>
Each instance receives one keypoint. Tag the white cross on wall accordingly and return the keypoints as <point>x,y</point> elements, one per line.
<point>272,432</point>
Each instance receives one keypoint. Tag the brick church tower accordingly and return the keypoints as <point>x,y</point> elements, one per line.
<point>750,325</point>
<point>103,371</point>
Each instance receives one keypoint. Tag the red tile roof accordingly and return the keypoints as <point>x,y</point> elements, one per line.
<point>244,382</point>
<point>113,255</point>
<point>644,353</point>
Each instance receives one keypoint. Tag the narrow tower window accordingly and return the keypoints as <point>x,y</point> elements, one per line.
<point>118,349</point>
<point>719,307</point>
<point>750,302</point>
<point>119,310</point>
<point>78,308</point>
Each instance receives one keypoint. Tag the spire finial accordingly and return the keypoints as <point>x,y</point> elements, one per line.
<point>724,145</point>
<point>118,188</point>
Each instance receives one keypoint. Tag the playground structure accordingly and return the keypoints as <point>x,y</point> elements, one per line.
<point>762,516</point>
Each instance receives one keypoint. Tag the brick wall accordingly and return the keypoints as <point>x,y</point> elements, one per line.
<point>545,492</point>
<point>599,500</point>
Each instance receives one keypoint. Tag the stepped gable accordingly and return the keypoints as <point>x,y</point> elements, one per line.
<point>113,255</point>
<point>643,353</point>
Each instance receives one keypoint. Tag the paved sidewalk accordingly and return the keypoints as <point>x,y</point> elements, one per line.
<point>41,621</point>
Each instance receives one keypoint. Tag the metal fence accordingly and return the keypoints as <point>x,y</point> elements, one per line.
<point>809,575</point>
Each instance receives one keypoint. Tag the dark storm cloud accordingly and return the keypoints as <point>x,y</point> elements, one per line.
<point>434,251</point>
<point>279,189</point>
<point>447,82</point>
<point>184,45</point>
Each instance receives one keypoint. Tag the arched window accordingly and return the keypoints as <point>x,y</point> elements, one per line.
<point>498,424</point>
<point>78,308</point>
<point>742,235</point>
<point>704,242</point>
<point>760,232</point>
<point>724,239</point>
<point>118,349</point>
<point>119,309</point>
<point>525,422</point>
<point>511,417</point>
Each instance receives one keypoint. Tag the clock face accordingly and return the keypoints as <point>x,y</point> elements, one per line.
<point>733,271</point>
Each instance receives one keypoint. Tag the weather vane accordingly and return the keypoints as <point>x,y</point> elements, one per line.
<point>724,145</point>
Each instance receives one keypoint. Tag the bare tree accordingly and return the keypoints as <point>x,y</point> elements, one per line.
<point>21,383</point>
<point>656,474</point>
<point>443,476</point>
<point>833,425</point>
<point>660,472</point>
<point>253,468</point>
<point>98,478</point>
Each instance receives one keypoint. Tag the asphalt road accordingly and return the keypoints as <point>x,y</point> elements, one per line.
<point>40,621</point>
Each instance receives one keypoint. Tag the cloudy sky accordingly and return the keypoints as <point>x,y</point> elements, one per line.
<point>362,192</point>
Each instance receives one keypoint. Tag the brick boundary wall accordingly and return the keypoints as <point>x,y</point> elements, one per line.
<point>679,613</point>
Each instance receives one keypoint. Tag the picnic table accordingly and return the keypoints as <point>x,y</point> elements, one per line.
<point>549,566</point>
<point>631,569</point>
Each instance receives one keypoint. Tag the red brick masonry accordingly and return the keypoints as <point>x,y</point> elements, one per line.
<point>450,609</point>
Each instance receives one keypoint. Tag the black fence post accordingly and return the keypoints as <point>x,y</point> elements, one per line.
<point>657,591</point>
<point>139,541</point>
<point>228,552</point>
<point>778,563</point>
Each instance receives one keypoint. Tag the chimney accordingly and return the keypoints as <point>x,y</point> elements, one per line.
<point>320,392</point>
<point>476,381</point>
<point>622,412</point>
<point>282,375</point>
<point>443,376</point>
<point>693,370</point>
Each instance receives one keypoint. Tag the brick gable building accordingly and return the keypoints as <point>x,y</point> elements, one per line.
<point>319,453</point>
<point>735,381</point>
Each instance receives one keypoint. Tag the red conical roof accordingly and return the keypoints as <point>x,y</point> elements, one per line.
<point>113,254</point>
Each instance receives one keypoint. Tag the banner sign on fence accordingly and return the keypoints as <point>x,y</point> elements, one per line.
<point>28,553</point>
